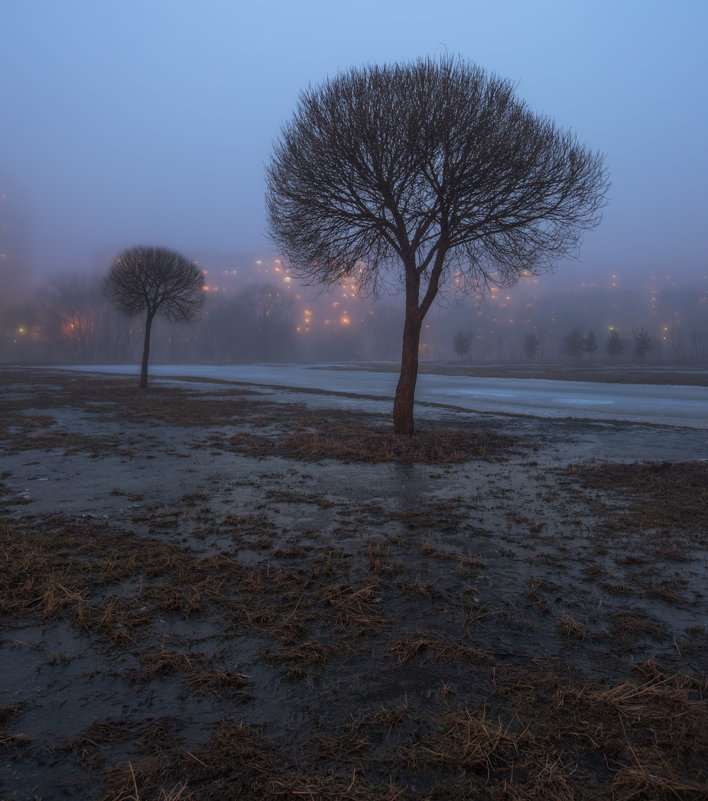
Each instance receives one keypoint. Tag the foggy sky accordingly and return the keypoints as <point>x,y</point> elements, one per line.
<point>152,120</point>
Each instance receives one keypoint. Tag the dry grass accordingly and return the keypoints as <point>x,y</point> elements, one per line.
<point>534,732</point>
<point>432,648</point>
<point>8,740</point>
<point>570,628</point>
<point>352,609</point>
<point>225,682</point>
<point>642,780</point>
<point>549,781</point>
<point>472,741</point>
<point>663,495</point>
<point>418,665</point>
<point>348,441</point>
<point>293,430</point>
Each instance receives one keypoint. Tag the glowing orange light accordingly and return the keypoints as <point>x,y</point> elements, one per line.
<point>76,324</point>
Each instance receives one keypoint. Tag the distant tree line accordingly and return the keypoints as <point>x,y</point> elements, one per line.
<point>578,344</point>
<point>638,346</point>
<point>69,320</point>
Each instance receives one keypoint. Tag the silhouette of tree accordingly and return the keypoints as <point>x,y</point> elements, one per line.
<point>271,316</point>
<point>462,343</point>
<point>573,343</point>
<point>589,344</point>
<point>614,345</point>
<point>151,280</point>
<point>432,171</point>
<point>642,343</point>
<point>70,313</point>
<point>531,343</point>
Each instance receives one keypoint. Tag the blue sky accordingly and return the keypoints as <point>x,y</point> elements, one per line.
<point>151,120</point>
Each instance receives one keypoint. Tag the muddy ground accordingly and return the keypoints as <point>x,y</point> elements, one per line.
<point>213,591</point>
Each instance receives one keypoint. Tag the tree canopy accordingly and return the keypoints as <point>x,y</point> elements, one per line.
<point>427,172</point>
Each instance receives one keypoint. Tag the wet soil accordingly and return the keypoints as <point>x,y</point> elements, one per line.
<point>215,591</point>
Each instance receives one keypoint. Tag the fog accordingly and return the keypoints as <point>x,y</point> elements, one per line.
<point>254,312</point>
<point>152,122</point>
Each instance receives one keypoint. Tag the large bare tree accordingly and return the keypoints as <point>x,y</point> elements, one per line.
<point>151,280</point>
<point>433,172</point>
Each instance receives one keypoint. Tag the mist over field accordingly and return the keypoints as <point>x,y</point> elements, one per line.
<point>255,312</point>
<point>167,146</point>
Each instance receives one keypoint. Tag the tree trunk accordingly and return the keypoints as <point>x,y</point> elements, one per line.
<point>405,391</point>
<point>146,353</point>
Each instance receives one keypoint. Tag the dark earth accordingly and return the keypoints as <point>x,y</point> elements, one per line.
<point>222,591</point>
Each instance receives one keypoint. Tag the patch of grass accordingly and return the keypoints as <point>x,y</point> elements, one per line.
<point>631,624</point>
<point>225,682</point>
<point>549,781</point>
<point>433,648</point>
<point>357,437</point>
<point>662,494</point>
<point>351,609</point>
<point>469,739</point>
<point>570,628</point>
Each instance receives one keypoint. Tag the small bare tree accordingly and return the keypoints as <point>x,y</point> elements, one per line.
<point>432,170</point>
<point>151,281</point>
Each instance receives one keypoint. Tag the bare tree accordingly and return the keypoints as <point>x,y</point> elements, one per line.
<point>70,309</point>
<point>432,171</point>
<point>151,281</point>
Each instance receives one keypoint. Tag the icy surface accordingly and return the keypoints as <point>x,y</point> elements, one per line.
<point>683,406</point>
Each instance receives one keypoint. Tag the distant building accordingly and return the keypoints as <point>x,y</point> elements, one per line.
<point>14,247</point>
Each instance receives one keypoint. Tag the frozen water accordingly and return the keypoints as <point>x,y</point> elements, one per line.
<point>683,406</point>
